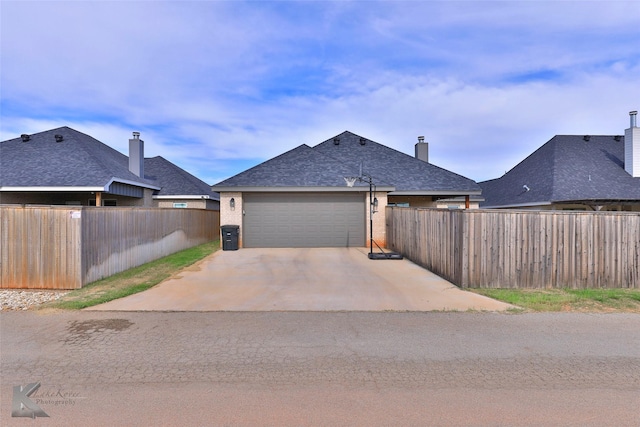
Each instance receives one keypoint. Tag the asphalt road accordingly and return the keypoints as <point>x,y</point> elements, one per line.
<point>306,368</point>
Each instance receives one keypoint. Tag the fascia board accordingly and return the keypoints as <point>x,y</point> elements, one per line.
<point>185,197</point>
<point>134,183</point>
<point>53,189</point>
<point>297,189</point>
<point>436,193</point>
<point>518,205</point>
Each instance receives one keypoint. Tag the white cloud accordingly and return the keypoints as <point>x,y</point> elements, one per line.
<point>214,86</point>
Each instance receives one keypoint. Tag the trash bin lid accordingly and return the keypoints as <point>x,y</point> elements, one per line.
<point>229,226</point>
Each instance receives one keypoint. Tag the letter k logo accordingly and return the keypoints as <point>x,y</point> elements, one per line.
<point>22,406</point>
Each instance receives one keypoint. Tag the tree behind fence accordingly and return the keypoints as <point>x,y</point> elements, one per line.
<point>68,247</point>
<point>520,249</point>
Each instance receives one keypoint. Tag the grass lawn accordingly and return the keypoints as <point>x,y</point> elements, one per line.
<point>132,281</point>
<point>580,300</point>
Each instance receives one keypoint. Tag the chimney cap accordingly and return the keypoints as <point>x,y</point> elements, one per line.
<point>633,113</point>
<point>136,135</point>
<point>421,139</point>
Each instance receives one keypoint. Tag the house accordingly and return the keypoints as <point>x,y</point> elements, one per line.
<point>65,167</point>
<point>573,172</point>
<point>324,196</point>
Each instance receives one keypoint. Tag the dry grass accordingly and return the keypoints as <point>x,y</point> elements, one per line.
<point>576,300</point>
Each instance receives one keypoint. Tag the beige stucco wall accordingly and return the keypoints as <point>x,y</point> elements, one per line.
<point>191,203</point>
<point>230,216</point>
<point>379,220</point>
<point>456,205</point>
<point>429,202</point>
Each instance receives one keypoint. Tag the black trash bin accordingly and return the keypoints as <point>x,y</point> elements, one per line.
<point>230,235</point>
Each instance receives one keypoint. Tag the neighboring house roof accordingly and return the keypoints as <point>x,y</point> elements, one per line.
<point>77,162</point>
<point>175,182</point>
<point>80,162</point>
<point>568,168</point>
<point>327,164</point>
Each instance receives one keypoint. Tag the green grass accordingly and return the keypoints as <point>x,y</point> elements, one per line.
<point>591,300</point>
<point>132,281</point>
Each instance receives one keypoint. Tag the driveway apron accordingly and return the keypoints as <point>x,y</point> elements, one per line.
<point>315,279</point>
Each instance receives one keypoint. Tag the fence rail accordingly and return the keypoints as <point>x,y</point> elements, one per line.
<point>520,249</point>
<point>68,247</point>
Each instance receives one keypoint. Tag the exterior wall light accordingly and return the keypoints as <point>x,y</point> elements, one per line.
<point>232,204</point>
<point>375,204</point>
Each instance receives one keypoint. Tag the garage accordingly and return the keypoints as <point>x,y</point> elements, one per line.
<point>303,220</point>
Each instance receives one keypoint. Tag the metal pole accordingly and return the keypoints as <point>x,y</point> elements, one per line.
<point>370,218</point>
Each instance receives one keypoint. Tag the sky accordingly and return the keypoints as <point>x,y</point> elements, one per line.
<point>217,87</point>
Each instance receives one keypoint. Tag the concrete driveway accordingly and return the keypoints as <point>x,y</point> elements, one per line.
<point>317,279</point>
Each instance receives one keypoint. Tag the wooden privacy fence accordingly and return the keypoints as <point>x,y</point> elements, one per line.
<point>520,249</point>
<point>68,247</point>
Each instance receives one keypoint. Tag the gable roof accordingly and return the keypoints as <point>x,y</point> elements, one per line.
<point>299,168</point>
<point>175,181</point>
<point>327,164</point>
<point>567,168</point>
<point>408,174</point>
<point>78,162</point>
<point>82,163</point>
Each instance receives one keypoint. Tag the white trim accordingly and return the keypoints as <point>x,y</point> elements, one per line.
<point>435,193</point>
<point>518,205</point>
<point>133,183</point>
<point>362,188</point>
<point>185,197</point>
<point>75,188</point>
<point>66,189</point>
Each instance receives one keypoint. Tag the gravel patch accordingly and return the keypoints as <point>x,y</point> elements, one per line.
<point>11,299</point>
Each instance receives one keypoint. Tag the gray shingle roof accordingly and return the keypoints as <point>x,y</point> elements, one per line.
<point>326,165</point>
<point>175,181</point>
<point>82,161</point>
<point>300,167</point>
<point>566,169</point>
<point>78,161</point>
<point>385,164</point>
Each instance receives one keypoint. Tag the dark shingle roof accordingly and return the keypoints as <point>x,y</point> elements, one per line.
<point>405,172</point>
<point>175,181</point>
<point>566,169</point>
<point>82,161</point>
<point>326,165</point>
<point>78,161</point>
<point>301,167</point>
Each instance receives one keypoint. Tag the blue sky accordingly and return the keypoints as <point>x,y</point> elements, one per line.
<point>220,86</point>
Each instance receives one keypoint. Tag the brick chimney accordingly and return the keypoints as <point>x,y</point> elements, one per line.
<point>136,155</point>
<point>422,150</point>
<point>632,147</point>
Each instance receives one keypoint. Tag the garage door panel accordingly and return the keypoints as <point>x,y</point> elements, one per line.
<point>304,220</point>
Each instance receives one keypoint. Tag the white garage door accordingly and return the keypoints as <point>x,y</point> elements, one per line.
<point>303,220</point>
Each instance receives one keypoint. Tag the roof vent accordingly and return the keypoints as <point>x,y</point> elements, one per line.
<point>25,137</point>
<point>58,138</point>
<point>586,137</point>
<point>363,141</point>
<point>336,141</point>
<point>617,137</point>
